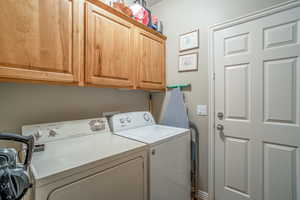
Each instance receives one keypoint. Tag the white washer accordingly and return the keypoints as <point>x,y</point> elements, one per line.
<point>83,160</point>
<point>169,154</point>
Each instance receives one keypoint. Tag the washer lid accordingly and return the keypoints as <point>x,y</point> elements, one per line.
<point>151,134</point>
<point>64,157</point>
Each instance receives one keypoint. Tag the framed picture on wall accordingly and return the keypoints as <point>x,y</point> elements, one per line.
<point>189,40</point>
<point>188,62</point>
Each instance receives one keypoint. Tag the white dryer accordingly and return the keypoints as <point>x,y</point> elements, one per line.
<point>168,153</point>
<point>82,160</point>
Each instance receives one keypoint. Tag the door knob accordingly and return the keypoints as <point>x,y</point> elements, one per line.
<point>220,127</point>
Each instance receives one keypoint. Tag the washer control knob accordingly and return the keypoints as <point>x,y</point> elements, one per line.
<point>128,119</point>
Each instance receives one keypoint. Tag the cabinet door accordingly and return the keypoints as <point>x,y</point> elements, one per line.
<point>151,61</point>
<point>121,182</point>
<point>109,49</point>
<point>38,41</point>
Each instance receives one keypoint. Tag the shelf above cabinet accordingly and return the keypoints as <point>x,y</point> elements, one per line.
<point>125,17</point>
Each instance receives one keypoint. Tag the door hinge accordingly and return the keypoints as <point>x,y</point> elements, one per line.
<point>214,76</point>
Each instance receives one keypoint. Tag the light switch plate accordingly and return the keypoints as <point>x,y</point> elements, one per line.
<point>202,110</point>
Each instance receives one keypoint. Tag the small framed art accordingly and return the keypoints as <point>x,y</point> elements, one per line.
<point>189,40</point>
<point>188,62</point>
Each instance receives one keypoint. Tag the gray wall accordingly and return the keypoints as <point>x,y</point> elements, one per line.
<point>183,16</point>
<point>22,104</point>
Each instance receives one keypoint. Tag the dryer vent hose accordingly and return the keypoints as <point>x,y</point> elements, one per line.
<point>194,159</point>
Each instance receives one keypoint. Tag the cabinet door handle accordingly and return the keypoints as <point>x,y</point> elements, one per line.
<point>99,56</point>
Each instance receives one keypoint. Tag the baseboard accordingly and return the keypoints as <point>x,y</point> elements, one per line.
<point>202,195</point>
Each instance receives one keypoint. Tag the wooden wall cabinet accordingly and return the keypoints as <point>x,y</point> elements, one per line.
<point>39,41</point>
<point>121,52</point>
<point>78,42</point>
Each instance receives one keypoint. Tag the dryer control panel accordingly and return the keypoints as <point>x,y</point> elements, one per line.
<point>125,121</point>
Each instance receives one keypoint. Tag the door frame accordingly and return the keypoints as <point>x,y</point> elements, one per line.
<point>240,20</point>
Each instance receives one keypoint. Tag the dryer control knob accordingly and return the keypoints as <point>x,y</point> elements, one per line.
<point>38,134</point>
<point>146,117</point>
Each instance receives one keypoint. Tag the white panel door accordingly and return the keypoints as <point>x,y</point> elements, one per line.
<point>257,89</point>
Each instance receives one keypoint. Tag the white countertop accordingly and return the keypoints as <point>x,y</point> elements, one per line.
<point>65,155</point>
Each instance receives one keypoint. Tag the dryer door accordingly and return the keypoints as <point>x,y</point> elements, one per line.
<point>124,181</point>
